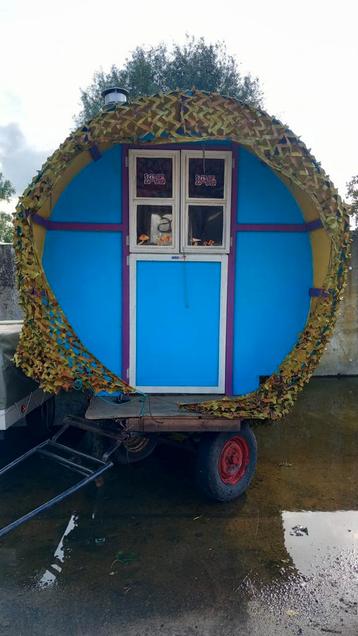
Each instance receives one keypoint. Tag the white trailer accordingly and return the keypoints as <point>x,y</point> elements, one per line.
<point>21,400</point>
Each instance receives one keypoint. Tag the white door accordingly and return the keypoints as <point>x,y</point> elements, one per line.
<point>179,241</point>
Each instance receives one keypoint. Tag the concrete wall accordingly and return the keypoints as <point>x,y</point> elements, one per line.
<point>340,358</point>
<point>9,306</point>
<point>341,355</point>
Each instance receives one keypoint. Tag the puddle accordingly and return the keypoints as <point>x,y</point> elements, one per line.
<point>144,554</point>
<point>316,586</point>
<point>50,576</point>
<point>329,535</point>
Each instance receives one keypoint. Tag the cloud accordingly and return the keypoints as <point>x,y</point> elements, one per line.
<point>19,160</point>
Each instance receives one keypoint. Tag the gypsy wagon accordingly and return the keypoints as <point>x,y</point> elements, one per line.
<point>181,256</point>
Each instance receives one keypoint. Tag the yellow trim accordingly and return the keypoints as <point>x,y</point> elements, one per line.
<point>321,249</point>
<point>79,162</point>
<point>320,241</point>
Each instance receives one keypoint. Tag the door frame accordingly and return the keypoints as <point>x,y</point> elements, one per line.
<point>221,258</point>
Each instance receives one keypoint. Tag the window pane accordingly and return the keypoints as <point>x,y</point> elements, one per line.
<point>205,225</point>
<point>206,178</point>
<point>154,225</point>
<point>155,177</point>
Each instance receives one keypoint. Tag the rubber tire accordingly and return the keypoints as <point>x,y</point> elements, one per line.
<point>125,456</point>
<point>96,445</point>
<point>208,477</point>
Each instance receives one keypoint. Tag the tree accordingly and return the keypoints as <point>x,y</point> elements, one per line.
<point>6,192</point>
<point>156,69</point>
<point>352,194</point>
<point>6,228</point>
<point>6,189</point>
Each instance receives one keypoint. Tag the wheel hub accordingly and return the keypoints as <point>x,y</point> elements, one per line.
<point>233,460</point>
<point>136,443</point>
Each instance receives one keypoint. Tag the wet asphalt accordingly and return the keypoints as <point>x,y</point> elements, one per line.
<point>144,554</point>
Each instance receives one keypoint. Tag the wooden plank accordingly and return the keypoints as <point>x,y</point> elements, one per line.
<point>141,405</point>
<point>157,413</point>
<point>184,424</point>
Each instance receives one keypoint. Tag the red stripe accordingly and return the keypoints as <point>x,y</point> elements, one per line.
<point>77,227</point>
<point>119,227</point>
<point>278,227</point>
<point>319,291</point>
<point>125,268</point>
<point>229,355</point>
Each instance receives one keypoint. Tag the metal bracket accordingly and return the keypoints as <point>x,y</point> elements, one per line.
<point>77,461</point>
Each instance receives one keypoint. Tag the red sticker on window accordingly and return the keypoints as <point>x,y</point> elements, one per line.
<point>156,179</point>
<point>205,179</point>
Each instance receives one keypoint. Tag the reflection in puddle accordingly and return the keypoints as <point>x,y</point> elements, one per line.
<point>316,588</point>
<point>313,538</point>
<point>50,576</point>
<point>244,568</point>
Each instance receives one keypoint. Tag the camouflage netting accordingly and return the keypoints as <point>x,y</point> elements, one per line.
<point>49,350</point>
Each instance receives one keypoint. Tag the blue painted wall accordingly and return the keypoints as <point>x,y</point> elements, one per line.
<point>84,269</point>
<point>262,196</point>
<point>178,306</point>
<point>95,194</point>
<point>273,276</point>
<point>176,345</point>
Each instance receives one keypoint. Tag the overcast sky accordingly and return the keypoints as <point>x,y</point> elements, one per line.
<point>305,54</point>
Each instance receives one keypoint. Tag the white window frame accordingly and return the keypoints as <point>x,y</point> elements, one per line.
<point>134,201</point>
<point>186,201</point>
<point>220,258</point>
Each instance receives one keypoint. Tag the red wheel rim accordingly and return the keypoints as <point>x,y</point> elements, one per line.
<point>233,461</point>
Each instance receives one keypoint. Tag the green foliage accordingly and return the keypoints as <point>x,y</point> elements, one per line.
<point>352,194</point>
<point>157,69</point>
<point>6,189</point>
<point>6,228</point>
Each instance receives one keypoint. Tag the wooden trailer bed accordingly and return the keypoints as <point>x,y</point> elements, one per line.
<point>156,413</point>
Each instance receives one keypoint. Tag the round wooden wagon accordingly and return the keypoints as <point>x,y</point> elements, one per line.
<point>181,257</point>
